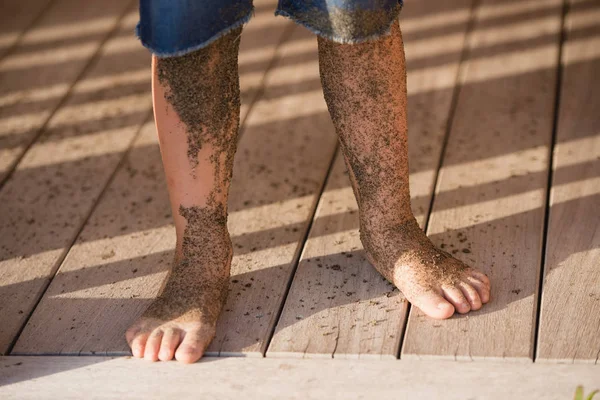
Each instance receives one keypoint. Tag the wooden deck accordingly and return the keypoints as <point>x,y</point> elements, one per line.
<point>504,120</point>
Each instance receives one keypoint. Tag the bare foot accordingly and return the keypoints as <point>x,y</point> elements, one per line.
<point>181,322</point>
<point>430,278</point>
<point>196,107</point>
<point>365,90</point>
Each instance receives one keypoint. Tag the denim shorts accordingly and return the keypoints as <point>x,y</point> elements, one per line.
<point>176,27</point>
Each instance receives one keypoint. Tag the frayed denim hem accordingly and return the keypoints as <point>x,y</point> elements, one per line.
<point>339,39</point>
<point>215,37</point>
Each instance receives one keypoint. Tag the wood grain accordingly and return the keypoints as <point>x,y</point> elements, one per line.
<point>233,378</point>
<point>490,197</point>
<point>570,314</point>
<point>338,304</point>
<point>50,57</point>
<point>56,185</point>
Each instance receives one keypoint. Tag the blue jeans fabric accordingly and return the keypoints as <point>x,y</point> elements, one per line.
<point>175,27</point>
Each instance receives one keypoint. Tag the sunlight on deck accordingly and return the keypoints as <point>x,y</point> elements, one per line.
<point>67,31</point>
<point>489,11</point>
<point>62,54</point>
<point>264,214</point>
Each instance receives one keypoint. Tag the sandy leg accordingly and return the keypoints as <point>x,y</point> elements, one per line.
<point>365,90</point>
<point>196,108</point>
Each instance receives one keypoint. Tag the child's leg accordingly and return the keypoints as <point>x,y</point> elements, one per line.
<point>365,89</point>
<point>196,107</point>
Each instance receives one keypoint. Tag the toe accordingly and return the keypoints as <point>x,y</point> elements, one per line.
<point>471,295</point>
<point>131,334</point>
<point>455,296</point>
<point>138,344</point>
<point>481,277</point>
<point>169,343</point>
<point>192,347</point>
<point>153,345</point>
<point>482,289</point>
<point>434,305</point>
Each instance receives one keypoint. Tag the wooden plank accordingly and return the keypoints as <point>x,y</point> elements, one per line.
<point>16,16</point>
<point>338,304</point>
<point>119,262</point>
<point>36,76</point>
<point>234,378</point>
<point>490,197</point>
<point>570,314</point>
<point>56,185</point>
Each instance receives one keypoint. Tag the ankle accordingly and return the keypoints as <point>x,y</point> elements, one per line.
<point>197,243</point>
<point>393,241</point>
<point>379,221</point>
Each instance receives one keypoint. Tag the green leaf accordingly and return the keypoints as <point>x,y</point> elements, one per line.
<point>579,393</point>
<point>592,394</point>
